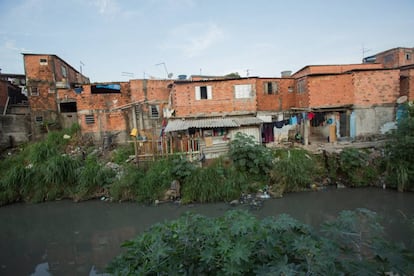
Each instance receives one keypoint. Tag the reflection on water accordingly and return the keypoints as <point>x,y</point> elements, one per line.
<point>66,238</point>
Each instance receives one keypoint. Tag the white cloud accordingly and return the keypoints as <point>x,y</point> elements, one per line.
<point>108,7</point>
<point>194,39</point>
<point>11,45</point>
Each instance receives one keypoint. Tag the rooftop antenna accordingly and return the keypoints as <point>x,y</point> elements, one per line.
<point>364,50</point>
<point>169,75</point>
<point>127,74</point>
<point>80,66</point>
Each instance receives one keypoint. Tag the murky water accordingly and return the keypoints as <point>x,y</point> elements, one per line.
<point>66,238</point>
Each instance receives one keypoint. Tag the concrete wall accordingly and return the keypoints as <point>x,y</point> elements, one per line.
<point>14,130</point>
<point>370,120</point>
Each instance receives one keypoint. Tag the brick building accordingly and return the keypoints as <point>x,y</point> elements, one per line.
<point>321,102</point>
<point>45,76</point>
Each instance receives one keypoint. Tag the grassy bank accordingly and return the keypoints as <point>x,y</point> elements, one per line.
<point>59,168</point>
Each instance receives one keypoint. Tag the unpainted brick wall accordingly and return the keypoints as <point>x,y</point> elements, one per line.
<point>376,87</point>
<point>223,98</point>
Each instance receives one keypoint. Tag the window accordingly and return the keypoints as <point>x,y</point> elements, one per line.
<point>34,91</point>
<point>39,119</point>
<point>407,56</point>
<point>43,61</point>
<point>270,88</point>
<point>154,111</point>
<point>64,73</point>
<point>243,91</point>
<point>290,89</point>
<point>105,88</point>
<point>301,86</point>
<point>89,119</point>
<point>203,92</point>
<point>68,107</point>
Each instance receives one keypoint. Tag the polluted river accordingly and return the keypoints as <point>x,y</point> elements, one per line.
<point>67,238</point>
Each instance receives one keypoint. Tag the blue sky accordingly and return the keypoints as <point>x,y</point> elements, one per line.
<point>211,37</point>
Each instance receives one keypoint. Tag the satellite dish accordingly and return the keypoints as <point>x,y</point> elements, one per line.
<point>402,99</point>
<point>170,75</point>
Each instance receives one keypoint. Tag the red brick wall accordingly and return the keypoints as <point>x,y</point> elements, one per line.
<point>283,100</point>
<point>223,99</point>
<point>155,90</point>
<point>302,98</point>
<point>376,87</point>
<point>395,57</point>
<point>101,106</point>
<point>334,69</point>
<point>330,90</point>
<point>407,83</point>
<point>88,101</point>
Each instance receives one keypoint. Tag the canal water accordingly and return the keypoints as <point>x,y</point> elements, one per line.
<point>67,238</point>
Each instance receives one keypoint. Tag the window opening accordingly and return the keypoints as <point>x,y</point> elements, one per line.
<point>68,107</point>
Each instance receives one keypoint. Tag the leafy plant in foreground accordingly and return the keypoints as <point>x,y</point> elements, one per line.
<point>239,244</point>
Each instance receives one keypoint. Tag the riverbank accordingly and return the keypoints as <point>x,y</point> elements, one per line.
<point>66,166</point>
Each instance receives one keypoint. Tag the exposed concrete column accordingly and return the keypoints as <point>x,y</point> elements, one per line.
<point>306,130</point>
<point>134,116</point>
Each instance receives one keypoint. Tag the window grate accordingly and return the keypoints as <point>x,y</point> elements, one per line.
<point>89,119</point>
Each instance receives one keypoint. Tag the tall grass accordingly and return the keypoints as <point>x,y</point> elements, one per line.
<point>93,179</point>
<point>127,186</point>
<point>293,170</point>
<point>214,183</point>
<point>157,179</point>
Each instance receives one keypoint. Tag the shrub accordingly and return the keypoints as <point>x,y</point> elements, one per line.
<point>122,153</point>
<point>239,244</point>
<point>182,168</point>
<point>355,168</point>
<point>249,156</point>
<point>400,152</point>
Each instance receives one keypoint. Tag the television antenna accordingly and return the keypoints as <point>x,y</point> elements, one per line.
<point>247,72</point>
<point>364,51</point>
<point>127,74</point>
<point>169,75</point>
<point>80,66</point>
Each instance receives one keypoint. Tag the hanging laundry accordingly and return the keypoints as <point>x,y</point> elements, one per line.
<point>311,115</point>
<point>279,124</point>
<point>293,120</point>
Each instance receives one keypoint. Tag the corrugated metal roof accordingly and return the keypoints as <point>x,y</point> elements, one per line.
<point>244,121</point>
<point>177,125</point>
